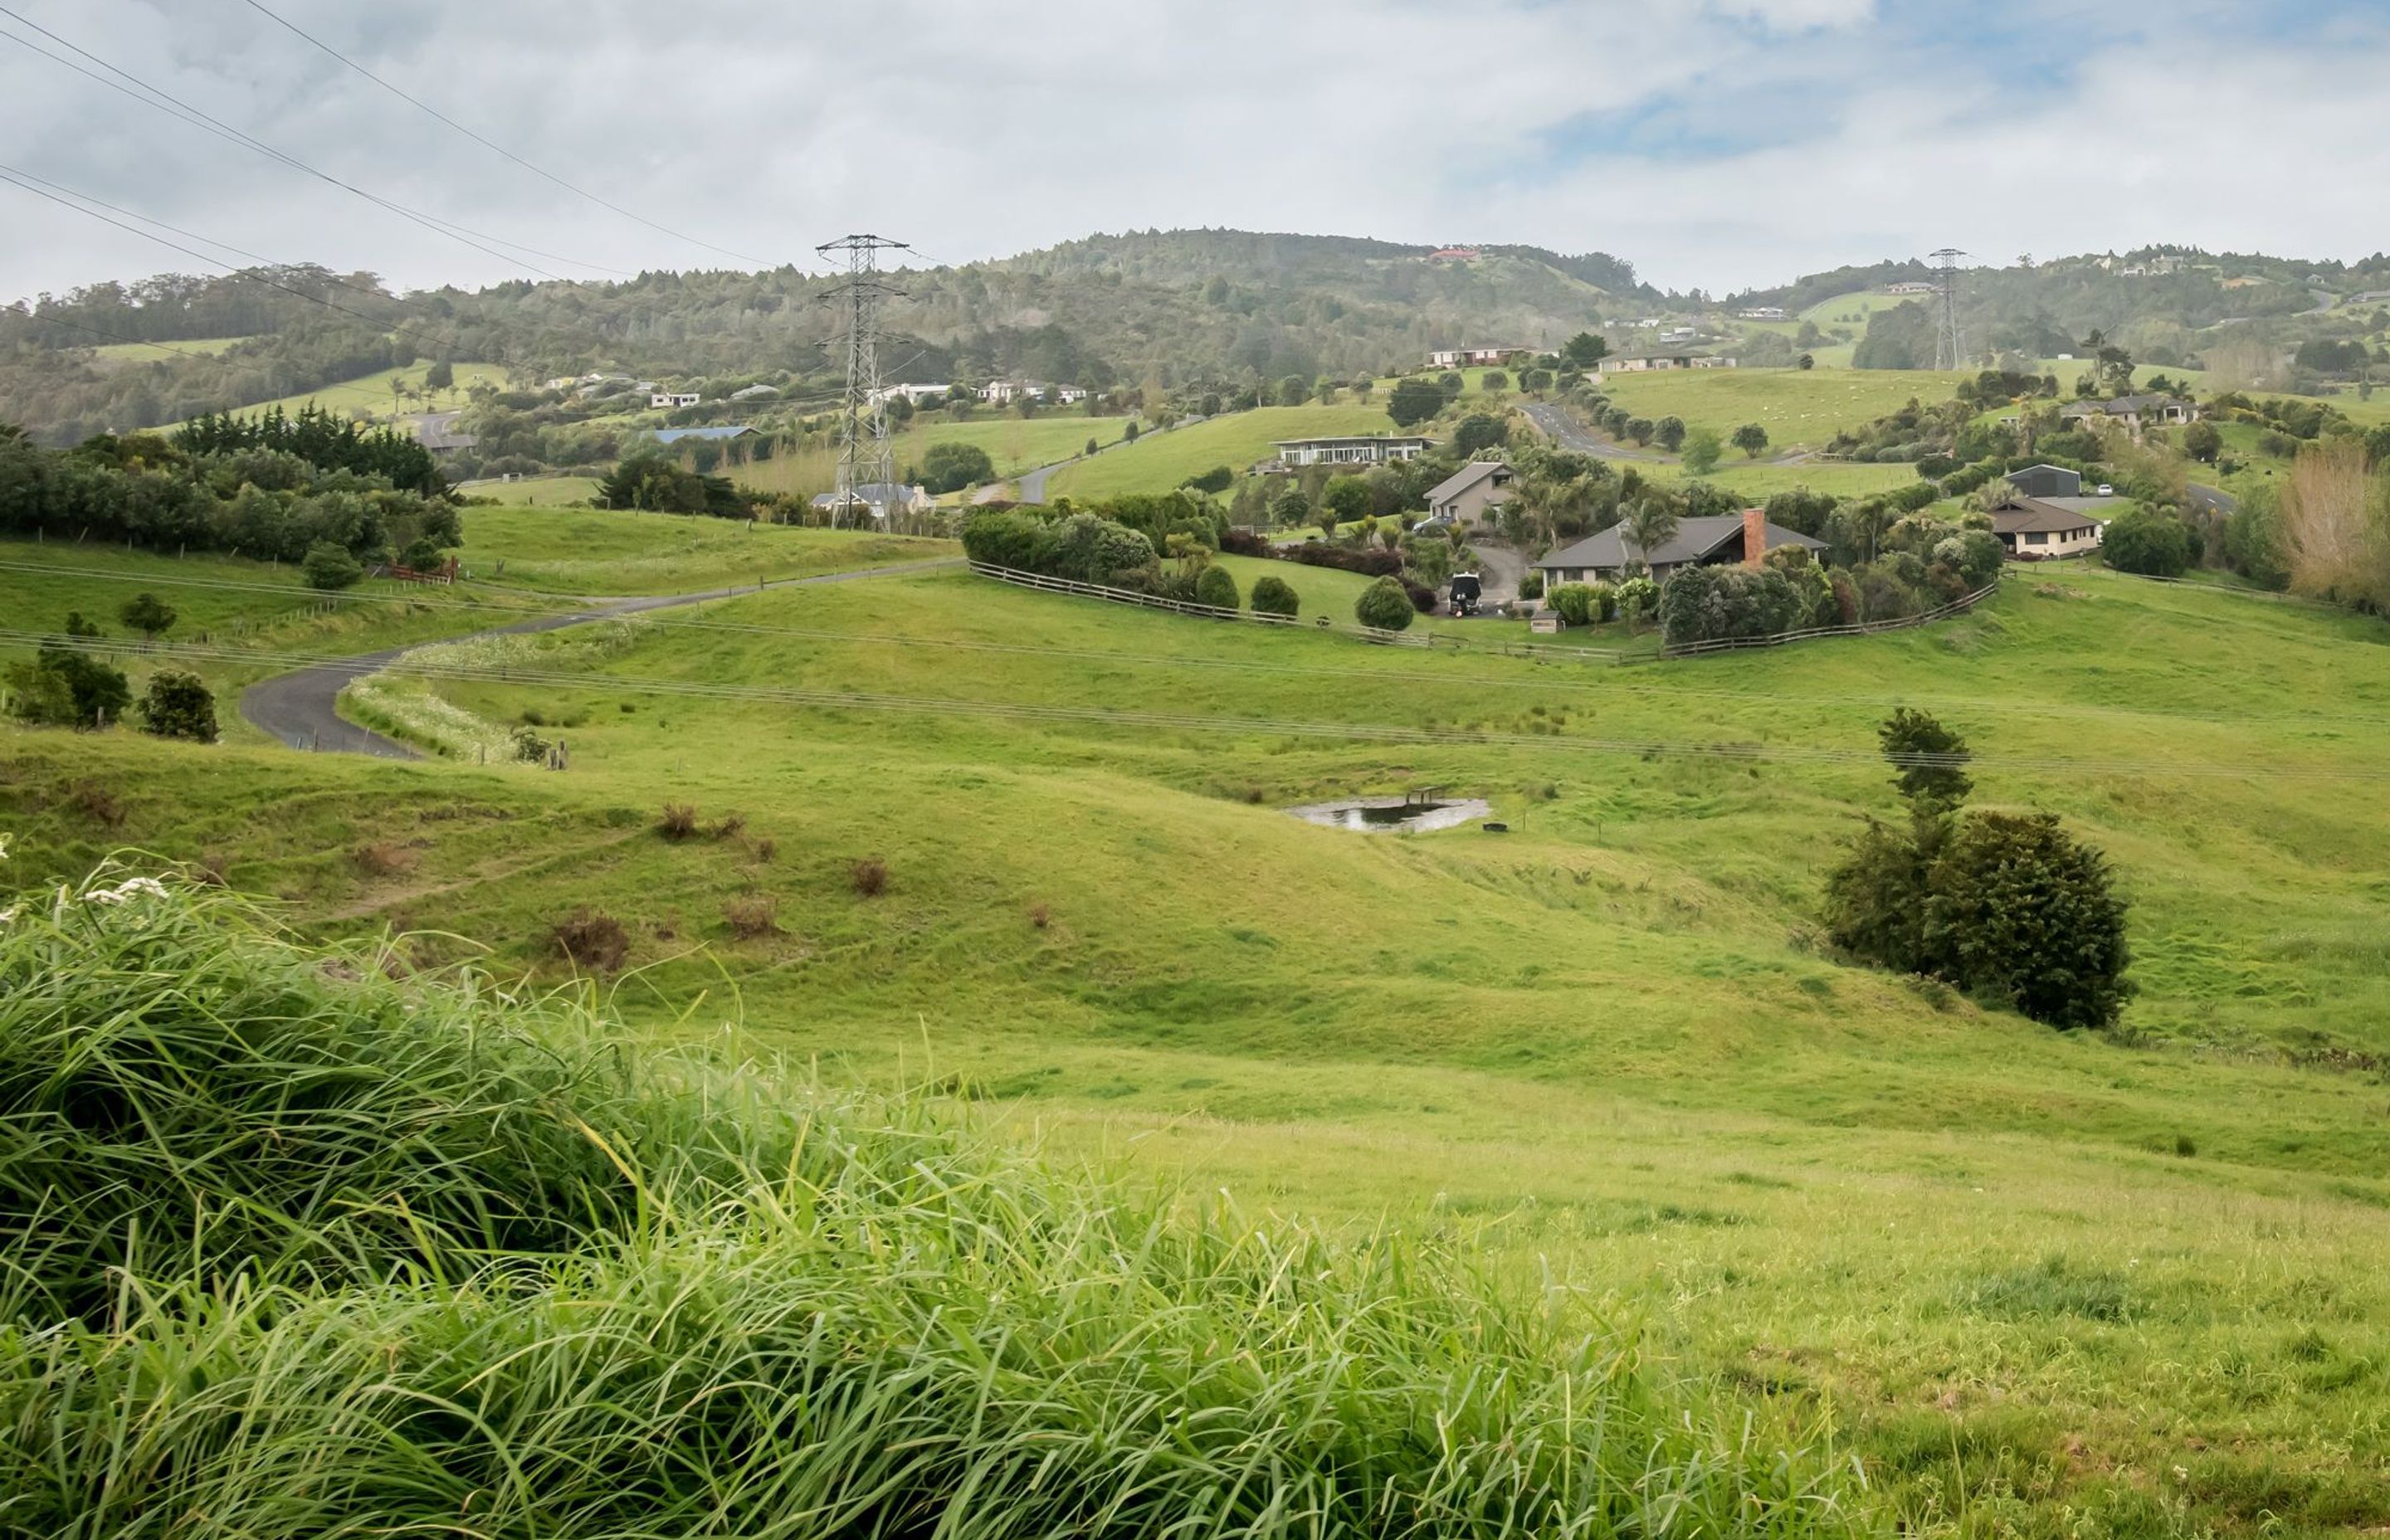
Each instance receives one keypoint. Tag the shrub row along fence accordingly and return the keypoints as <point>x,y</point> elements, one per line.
<point>1202,611</point>
<point>1958,606</point>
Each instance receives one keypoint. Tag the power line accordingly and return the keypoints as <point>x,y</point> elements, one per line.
<point>438,344</point>
<point>499,149</point>
<point>175,106</point>
<point>115,337</point>
<point>864,457</point>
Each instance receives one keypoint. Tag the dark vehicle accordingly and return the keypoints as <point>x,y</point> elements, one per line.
<point>1466,591</point>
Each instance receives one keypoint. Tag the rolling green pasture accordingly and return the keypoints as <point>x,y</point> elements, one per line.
<point>606,551</point>
<point>1798,407</point>
<point>1159,461</point>
<point>368,396</point>
<point>2038,1284</point>
<point>150,353</point>
<point>1852,310</point>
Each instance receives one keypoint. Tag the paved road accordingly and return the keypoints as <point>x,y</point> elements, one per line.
<point>1500,568</point>
<point>2213,499</point>
<point>303,709</point>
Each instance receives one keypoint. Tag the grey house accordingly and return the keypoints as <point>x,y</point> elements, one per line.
<point>1470,493</point>
<point>1706,542</point>
<point>2047,481</point>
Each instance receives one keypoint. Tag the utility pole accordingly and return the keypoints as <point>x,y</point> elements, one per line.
<point>864,459</point>
<point>1947,354</point>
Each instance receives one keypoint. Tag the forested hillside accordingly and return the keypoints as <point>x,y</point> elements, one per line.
<point>1142,310</point>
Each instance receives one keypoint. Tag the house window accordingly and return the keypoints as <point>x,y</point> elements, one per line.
<point>2036,538</point>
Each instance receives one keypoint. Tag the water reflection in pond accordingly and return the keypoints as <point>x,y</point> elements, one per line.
<point>1393,814</point>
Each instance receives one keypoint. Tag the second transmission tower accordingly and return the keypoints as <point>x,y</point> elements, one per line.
<point>867,467</point>
<point>1949,354</point>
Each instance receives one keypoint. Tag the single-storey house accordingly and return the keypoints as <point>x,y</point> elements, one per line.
<point>1004,392</point>
<point>1469,495</point>
<point>442,438</point>
<point>1361,449</point>
<point>2037,529</point>
<point>1678,336</point>
<point>1711,541</point>
<point>914,394</point>
<point>1666,361</point>
<point>2134,412</point>
<point>673,435</point>
<point>878,499</point>
<point>1452,359</point>
<point>1912,286</point>
<point>1762,313</point>
<point>665,399</point>
<point>755,393</point>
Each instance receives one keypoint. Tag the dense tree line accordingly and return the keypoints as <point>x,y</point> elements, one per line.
<point>270,503</point>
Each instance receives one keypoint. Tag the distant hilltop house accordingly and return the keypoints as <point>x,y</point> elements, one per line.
<point>877,500</point>
<point>1454,358</point>
<point>673,435</point>
<point>1469,495</point>
<point>2133,412</point>
<point>1762,313</point>
<point>1454,253</point>
<point>1665,361</point>
<point>1361,449</point>
<point>2046,516</point>
<point>914,394</point>
<point>1713,540</point>
<point>673,398</point>
<point>1004,392</point>
<point>1911,286</point>
<point>1678,336</point>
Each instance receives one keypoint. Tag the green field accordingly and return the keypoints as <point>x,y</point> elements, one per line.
<point>2038,1284</point>
<point>1852,310</point>
<point>369,395</point>
<point>1159,461</point>
<point>600,551</point>
<point>150,353</point>
<point>537,492</point>
<point>1800,408</point>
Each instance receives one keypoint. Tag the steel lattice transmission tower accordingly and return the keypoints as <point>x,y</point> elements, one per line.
<point>867,464</point>
<point>1947,352</point>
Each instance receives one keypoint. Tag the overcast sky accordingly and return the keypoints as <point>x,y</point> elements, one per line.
<point>1721,144</point>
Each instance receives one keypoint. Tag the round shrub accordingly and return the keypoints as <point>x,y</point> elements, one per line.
<point>1638,596</point>
<point>1273,596</point>
<point>1385,605</point>
<point>1532,585</point>
<point>328,567</point>
<point>1572,602</point>
<point>1216,587</point>
<point>1604,604</point>
<point>2153,544</point>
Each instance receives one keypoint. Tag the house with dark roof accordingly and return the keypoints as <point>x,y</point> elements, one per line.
<point>1710,540</point>
<point>2047,481</point>
<point>1470,494</point>
<point>673,435</point>
<point>2040,529</point>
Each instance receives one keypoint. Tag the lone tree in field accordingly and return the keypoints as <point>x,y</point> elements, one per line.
<point>1752,439</point>
<point>149,614</point>
<point>1414,401</point>
<point>2006,906</point>
<point>178,705</point>
<point>1670,431</point>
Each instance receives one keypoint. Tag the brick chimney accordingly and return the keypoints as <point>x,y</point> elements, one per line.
<point>1755,535</point>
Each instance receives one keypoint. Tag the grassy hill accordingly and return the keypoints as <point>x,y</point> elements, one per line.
<point>1798,407</point>
<point>1159,461</point>
<point>2032,1274</point>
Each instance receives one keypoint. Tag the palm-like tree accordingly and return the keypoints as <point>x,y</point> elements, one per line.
<point>1647,525</point>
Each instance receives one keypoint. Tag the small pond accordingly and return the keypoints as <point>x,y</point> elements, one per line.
<point>1393,814</point>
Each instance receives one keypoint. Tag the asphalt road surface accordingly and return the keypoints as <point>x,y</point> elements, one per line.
<point>303,709</point>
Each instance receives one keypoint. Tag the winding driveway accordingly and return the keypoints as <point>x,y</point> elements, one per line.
<point>302,709</point>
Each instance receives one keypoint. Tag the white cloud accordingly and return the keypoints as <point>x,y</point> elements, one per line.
<point>978,130</point>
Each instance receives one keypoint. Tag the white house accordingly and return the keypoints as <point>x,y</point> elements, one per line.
<point>917,394</point>
<point>1666,361</point>
<point>1912,286</point>
<point>1454,358</point>
<point>1678,336</point>
<point>1762,313</point>
<point>2040,529</point>
<point>662,399</point>
<point>1361,449</point>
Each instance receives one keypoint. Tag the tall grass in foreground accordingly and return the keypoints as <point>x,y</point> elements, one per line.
<point>295,1247</point>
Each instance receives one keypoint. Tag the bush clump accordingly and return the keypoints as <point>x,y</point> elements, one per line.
<point>331,566</point>
<point>1216,587</point>
<point>1385,605</point>
<point>591,938</point>
<point>1273,596</point>
<point>2006,906</point>
<point>178,705</point>
<point>2151,544</point>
